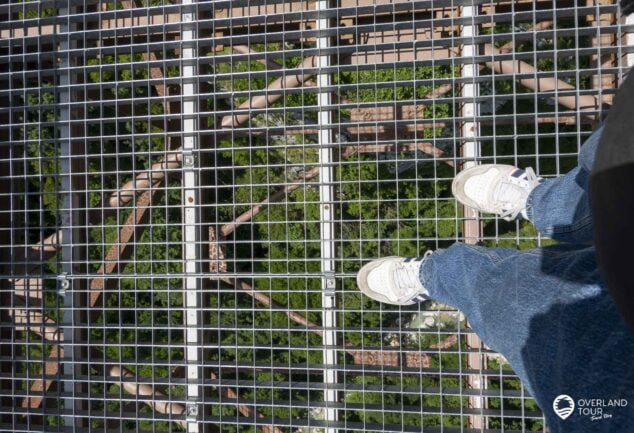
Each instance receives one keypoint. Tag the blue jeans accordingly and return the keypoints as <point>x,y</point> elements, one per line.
<point>546,310</point>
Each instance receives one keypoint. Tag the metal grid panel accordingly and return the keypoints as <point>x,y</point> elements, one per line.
<point>188,189</point>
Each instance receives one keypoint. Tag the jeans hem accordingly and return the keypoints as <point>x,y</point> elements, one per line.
<point>552,231</point>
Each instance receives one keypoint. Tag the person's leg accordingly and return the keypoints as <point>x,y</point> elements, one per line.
<point>560,208</point>
<point>545,311</point>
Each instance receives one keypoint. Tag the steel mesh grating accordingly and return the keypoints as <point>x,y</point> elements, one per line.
<point>189,187</point>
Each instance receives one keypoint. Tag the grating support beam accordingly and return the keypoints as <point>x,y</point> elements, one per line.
<point>327,221</point>
<point>472,228</point>
<point>68,288</point>
<point>191,232</point>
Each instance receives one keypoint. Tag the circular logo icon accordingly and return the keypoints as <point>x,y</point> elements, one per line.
<point>563,405</point>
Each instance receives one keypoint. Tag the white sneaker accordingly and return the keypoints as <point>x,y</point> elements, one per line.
<point>495,188</point>
<point>393,280</point>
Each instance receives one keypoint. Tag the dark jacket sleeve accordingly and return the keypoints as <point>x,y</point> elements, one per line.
<point>612,200</point>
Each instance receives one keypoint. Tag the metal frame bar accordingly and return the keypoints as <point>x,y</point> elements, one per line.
<point>70,288</point>
<point>191,209</point>
<point>327,220</point>
<point>472,227</point>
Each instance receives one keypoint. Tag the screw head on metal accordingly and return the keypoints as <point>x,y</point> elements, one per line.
<point>188,160</point>
<point>64,283</point>
<point>192,409</point>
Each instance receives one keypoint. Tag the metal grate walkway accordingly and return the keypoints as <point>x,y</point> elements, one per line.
<point>187,189</point>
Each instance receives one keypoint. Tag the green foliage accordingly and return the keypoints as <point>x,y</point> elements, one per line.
<point>42,153</point>
<point>402,84</point>
<point>114,4</point>
<point>36,12</point>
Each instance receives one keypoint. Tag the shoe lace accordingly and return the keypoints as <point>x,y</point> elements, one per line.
<point>509,210</point>
<point>407,275</point>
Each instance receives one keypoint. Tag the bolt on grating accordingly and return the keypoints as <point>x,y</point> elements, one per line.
<point>189,187</point>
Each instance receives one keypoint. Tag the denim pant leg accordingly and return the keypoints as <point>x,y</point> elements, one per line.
<point>547,312</point>
<point>560,208</point>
